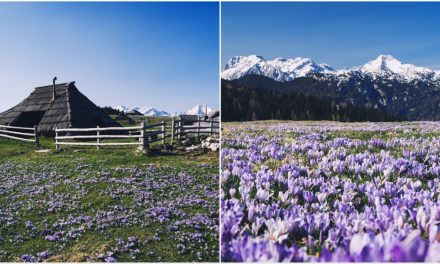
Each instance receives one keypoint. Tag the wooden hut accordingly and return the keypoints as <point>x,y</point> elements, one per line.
<point>188,119</point>
<point>56,106</point>
<point>124,118</point>
<point>213,115</point>
<point>134,112</point>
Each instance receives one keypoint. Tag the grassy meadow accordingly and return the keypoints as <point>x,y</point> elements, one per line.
<point>112,204</point>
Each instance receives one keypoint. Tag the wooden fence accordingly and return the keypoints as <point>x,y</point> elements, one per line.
<point>28,134</point>
<point>143,135</point>
<point>199,127</point>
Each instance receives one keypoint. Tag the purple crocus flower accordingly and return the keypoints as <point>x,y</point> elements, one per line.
<point>110,259</point>
<point>44,254</point>
<point>412,249</point>
<point>28,258</point>
<point>308,196</point>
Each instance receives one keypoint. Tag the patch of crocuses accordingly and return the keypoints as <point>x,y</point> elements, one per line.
<point>327,191</point>
<point>132,213</point>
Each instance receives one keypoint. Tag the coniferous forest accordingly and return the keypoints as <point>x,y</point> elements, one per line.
<point>241,103</point>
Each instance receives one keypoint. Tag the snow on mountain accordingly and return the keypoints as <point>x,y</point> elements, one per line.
<point>151,111</point>
<point>279,69</point>
<point>199,109</point>
<point>388,66</point>
<point>147,111</point>
<point>121,108</point>
<point>384,66</point>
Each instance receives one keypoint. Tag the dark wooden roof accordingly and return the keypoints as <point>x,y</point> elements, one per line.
<point>213,114</point>
<point>123,117</point>
<point>134,112</point>
<point>69,109</point>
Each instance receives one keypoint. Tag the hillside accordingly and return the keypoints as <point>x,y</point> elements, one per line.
<point>260,98</point>
<point>386,84</point>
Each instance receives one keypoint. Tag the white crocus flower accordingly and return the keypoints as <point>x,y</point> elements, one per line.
<point>276,230</point>
<point>283,196</point>
<point>263,195</point>
<point>322,197</point>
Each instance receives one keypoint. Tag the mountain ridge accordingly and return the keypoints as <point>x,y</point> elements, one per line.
<point>198,109</point>
<point>146,111</point>
<point>415,100</point>
<point>386,84</point>
<point>280,69</point>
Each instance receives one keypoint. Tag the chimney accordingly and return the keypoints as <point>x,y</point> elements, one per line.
<point>53,89</point>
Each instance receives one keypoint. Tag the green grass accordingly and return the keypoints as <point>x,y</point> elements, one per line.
<point>23,156</point>
<point>18,151</point>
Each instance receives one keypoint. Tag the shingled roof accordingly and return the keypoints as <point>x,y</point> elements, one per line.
<point>123,117</point>
<point>70,109</point>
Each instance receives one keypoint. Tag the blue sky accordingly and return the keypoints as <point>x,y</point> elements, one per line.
<point>164,55</point>
<point>340,34</point>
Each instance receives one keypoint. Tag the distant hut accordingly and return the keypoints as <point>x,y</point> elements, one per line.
<point>213,115</point>
<point>188,119</point>
<point>56,106</point>
<point>134,112</point>
<point>125,118</point>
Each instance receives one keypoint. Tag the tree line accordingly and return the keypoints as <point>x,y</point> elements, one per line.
<point>240,103</point>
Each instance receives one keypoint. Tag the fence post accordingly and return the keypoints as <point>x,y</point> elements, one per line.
<point>179,128</point>
<point>198,126</point>
<point>98,140</point>
<point>144,137</point>
<point>57,146</point>
<point>141,138</point>
<point>163,132</point>
<point>172,130</point>
<point>211,129</point>
<point>37,141</point>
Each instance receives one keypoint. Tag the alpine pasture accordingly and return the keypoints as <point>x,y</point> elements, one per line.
<point>111,204</point>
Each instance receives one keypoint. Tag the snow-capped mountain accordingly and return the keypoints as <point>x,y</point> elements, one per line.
<point>121,108</point>
<point>199,109</point>
<point>146,111</point>
<point>151,111</point>
<point>386,84</point>
<point>384,66</point>
<point>278,69</point>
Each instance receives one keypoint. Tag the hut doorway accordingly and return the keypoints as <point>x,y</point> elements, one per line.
<point>29,119</point>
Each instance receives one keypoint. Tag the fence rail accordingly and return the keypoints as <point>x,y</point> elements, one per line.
<point>198,127</point>
<point>144,136</point>
<point>16,132</point>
